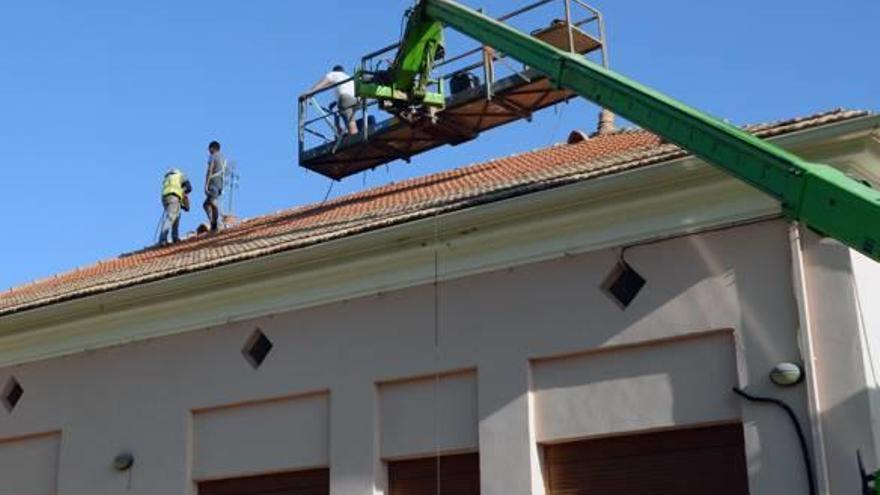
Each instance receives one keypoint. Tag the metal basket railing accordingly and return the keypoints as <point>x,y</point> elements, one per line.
<point>321,122</point>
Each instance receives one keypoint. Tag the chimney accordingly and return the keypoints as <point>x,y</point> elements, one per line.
<point>606,126</point>
<point>606,123</point>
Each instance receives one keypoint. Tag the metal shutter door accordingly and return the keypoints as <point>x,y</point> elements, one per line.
<point>684,462</point>
<point>459,475</point>
<point>314,482</point>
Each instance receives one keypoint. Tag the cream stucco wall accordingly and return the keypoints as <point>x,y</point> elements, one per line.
<point>840,314</point>
<point>261,437</point>
<point>437,413</point>
<point>186,405</point>
<point>632,388</point>
<point>530,349</point>
<point>867,278</point>
<point>30,465</point>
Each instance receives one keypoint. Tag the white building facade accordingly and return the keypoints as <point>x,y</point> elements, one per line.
<point>499,339</point>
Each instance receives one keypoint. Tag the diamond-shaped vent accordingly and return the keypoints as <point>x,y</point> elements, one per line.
<point>257,349</point>
<point>12,393</point>
<point>624,284</point>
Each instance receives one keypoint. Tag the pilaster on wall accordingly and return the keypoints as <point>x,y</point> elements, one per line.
<point>842,375</point>
<point>354,441</point>
<point>807,346</point>
<point>509,461</point>
<point>867,277</point>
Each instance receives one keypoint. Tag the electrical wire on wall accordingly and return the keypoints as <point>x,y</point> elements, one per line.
<point>802,438</point>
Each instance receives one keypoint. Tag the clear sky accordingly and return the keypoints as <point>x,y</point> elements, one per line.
<point>99,97</point>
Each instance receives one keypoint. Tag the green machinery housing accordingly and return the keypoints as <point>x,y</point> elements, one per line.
<point>409,81</point>
<point>820,196</point>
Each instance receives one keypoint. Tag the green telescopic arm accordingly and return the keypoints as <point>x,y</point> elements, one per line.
<point>817,195</point>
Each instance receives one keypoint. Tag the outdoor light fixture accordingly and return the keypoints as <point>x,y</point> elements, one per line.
<point>123,461</point>
<point>786,374</point>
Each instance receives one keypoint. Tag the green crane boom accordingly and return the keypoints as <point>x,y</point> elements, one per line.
<point>817,195</point>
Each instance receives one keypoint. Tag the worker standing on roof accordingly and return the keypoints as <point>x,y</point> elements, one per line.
<point>346,100</point>
<point>175,188</point>
<point>214,184</point>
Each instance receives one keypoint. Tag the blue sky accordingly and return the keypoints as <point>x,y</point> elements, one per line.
<point>98,98</point>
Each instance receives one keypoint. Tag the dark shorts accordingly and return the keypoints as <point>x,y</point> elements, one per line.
<point>212,197</point>
<point>214,190</point>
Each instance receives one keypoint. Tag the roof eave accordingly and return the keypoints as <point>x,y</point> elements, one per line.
<point>339,261</point>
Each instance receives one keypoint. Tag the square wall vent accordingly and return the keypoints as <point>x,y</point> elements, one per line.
<point>623,284</point>
<point>257,348</point>
<point>12,393</point>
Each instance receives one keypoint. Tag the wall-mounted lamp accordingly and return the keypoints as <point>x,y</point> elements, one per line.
<point>123,461</point>
<point>787,374</point>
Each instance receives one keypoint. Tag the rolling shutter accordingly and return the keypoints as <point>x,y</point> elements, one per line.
<point>314,482</point>
<point>682,462</point>
<point>459,475</point>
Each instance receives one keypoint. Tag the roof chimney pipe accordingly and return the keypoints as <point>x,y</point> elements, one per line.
<point>606,123</point>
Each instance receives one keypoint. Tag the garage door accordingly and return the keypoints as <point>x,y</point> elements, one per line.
<point>682,462</point>
<point>314,482</point>
<point>459,475</point>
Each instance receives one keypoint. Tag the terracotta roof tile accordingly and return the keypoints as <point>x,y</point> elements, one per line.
<point>377,208</point>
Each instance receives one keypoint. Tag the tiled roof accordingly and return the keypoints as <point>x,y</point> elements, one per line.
<point>377,208</point>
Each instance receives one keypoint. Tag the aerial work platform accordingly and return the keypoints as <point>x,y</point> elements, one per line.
<point>822,197</point>
<point>485,89</point>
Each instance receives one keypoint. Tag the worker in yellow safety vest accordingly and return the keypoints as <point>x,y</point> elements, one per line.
<point>175,191</point>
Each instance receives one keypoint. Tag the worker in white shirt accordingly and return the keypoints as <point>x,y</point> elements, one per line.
<point>345,95</point>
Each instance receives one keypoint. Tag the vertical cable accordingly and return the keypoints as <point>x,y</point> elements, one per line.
<point>329,190</point>
<point>559,115</point>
